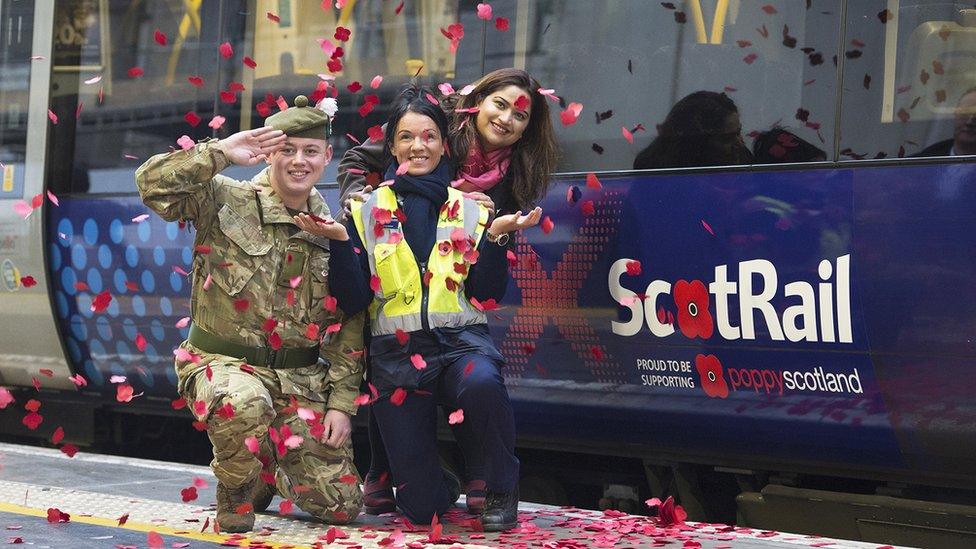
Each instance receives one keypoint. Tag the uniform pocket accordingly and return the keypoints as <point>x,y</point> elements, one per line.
<point>246,235</point>
<point>393,272</point>
<point>318,271</point>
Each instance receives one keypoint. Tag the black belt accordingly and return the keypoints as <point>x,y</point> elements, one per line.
<point>265,357</point>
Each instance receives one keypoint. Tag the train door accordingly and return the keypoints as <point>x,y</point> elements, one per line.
<point>30,348</point>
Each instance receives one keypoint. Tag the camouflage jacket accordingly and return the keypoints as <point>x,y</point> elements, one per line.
<point>254,281</point>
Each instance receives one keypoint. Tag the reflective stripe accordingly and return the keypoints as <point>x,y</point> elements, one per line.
<point>397,303</point>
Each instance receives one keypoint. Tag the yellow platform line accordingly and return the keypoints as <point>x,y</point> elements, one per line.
<point>145,527</point>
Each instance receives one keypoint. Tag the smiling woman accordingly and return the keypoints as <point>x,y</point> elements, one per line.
<point>418,144</point>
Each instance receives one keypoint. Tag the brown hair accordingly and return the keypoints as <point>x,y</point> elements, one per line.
<point>534,155</point>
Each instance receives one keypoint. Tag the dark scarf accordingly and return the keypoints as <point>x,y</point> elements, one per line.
<point>422,197</point>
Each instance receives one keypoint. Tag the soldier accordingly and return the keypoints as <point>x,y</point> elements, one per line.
<point>253,368</point>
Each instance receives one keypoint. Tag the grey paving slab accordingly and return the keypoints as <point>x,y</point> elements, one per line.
<point>97,490</point>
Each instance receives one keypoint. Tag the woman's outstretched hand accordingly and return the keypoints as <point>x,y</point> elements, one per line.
<point>360,196</point>
<point>328,228</point>
<point>515,222</point>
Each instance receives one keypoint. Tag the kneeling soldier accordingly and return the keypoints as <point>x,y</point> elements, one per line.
<point>261,367</point>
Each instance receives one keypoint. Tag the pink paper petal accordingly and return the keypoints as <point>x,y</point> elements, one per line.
<point>216,122</point>
<point>252,445</point>
<point>23,209</point>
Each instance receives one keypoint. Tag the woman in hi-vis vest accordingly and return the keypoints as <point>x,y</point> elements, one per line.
<point>508,155</point>
<point>432,260</point>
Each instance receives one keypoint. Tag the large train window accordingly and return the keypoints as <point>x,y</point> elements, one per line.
<point>910,73</point>
<point>130,78</point>
<point>712,78</point>
<point>16,24</point>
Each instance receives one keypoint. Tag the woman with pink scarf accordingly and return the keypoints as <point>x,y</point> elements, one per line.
<point>502,131</point>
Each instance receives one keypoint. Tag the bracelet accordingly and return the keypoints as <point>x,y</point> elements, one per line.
<point>501,239</point>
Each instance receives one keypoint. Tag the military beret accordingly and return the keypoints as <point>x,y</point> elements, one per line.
<point>301,121</point>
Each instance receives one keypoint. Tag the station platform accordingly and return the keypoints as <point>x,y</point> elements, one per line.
<point>50,500</point>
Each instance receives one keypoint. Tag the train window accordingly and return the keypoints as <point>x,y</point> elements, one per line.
<point>16,24</point>
<point>713,78</point>
<point>362,53</point>
<point>141,75</point>
<point>130,78</point>
<point>910,87</point>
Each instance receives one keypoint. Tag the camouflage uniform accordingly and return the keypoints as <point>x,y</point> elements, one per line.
<point>247,257</point>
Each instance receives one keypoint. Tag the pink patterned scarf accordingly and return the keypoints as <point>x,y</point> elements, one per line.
<point>483,171</point>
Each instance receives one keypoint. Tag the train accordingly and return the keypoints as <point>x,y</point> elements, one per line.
<point>781,344</point>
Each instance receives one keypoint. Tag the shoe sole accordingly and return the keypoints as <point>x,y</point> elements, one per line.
<point>379,509</point>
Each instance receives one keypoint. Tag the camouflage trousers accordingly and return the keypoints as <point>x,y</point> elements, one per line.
<point>319,479</point>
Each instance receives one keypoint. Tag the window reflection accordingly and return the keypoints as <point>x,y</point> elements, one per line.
<point>910,71</point>
<point>16,23</point>
<point>631,62</point>
<point>130,78</point>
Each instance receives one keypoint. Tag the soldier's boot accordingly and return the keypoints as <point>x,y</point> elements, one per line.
<point>378,494</point>
<point>262,495</point>
<point>232,500</point>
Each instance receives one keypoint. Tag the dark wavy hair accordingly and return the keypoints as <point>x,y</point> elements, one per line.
<point>695,133</point>
<point>534,155</point>
<point>413,98</point>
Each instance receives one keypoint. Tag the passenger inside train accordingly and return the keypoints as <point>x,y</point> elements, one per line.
<point>702,129</point>
<point>963,140</point>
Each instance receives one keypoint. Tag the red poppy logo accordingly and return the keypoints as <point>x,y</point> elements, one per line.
<point>694,318</point>
<point>710,372</point>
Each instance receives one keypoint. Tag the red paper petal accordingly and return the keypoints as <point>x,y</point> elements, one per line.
<point>375,134</point>
<point>398,396</point>
<point>547,225</point>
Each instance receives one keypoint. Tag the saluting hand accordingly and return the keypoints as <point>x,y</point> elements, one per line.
<point>515,222</point>
<point>250,147</point>
<point>329,229</point>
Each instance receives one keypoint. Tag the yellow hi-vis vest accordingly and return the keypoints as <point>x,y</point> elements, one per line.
<point>413,297</point>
